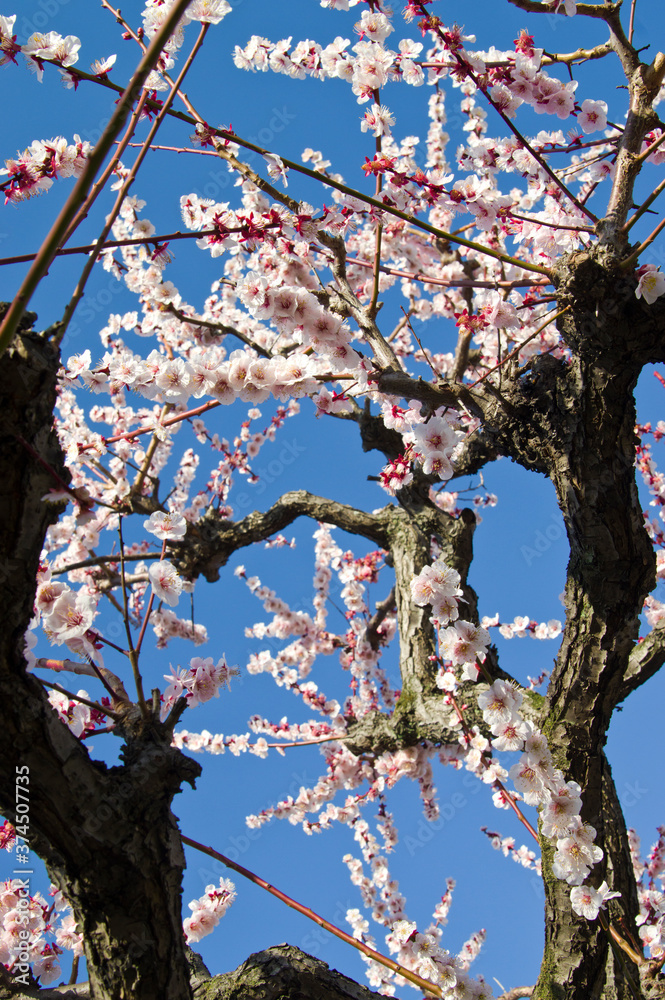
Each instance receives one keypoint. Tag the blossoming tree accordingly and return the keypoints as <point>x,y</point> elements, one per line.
<point>525,245</point>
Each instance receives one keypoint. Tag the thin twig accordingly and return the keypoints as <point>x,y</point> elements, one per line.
<point>218,328</point>
<point>644,207</point>
<point>629,262</point>
<point>551,318</point>
<point>112,244</point>
<point>133,655</point>
<point>148,609</point>
<point>77,697</point>
<point>618,946</point>
<point>131,176</point>
<point>450,282</point>
<point>552,225</point>
<point>389,963</point>
<point>372,309</point>
<point>632,21</point>
<point>93,164</point>
<point>646,153</point>
<point>149,454</point>
<point>99,560</point>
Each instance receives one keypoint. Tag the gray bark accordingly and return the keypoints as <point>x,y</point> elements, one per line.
<point>282,972</point>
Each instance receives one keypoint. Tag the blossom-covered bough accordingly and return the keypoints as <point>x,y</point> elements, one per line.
<point>557,310</point>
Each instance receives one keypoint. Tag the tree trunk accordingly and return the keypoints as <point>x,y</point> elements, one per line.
<point>107,835</point>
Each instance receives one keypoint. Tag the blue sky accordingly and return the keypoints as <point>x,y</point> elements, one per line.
<point>520,544</point>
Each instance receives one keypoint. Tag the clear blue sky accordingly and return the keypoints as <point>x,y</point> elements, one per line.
<point>287,116</point>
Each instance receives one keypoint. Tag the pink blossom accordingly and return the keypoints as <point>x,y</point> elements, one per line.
<point>167,525</point>
<point>71,615</point>
<point>587,901</point>
<point>593,116</point>
<point>651,284</point>
<point>165,581</point>
<point>463,642</point>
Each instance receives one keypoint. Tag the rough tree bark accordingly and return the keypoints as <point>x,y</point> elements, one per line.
<point>107,836</point>
<point>278,973</point>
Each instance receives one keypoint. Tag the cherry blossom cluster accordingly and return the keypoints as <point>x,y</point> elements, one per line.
<point>541,784</point>
<point>347,772</point>
<point>417,951</point>
<point>646,464</point>
<point>218,743</point>
<point>204,11</point>
<point>654,610</point>
<point>367,66</point>
<point>289,666</point>
<point>246,376</point>
<point>79,718</point>
<point>34,170</point>
<point>199,683</point>
<point>167,626</point>
<point>31,933</point>
<point>516,78</point>
<point>650,878</point>
<point>359,653</point>
<point>534,777</point>
<point>52,47</point>
<point>462,642</point>
<point>80,533</point>
<point>344,772</point>
<point>429,441</point>
<point>421,952</point>
<point>522,855</point>
<point>208,910</point>
<point>65,614</point>
<point>522,626</point>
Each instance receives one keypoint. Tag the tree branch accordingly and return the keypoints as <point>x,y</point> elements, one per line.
<point>213,540</point>
<point>383,353</point>
<point>588,9</point>
<point>579,55</point>
<point>645,660</point>
<point>398,383</point>
<point>282,972</point>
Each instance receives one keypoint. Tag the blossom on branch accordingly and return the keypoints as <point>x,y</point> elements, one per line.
<point>651,284</point>
<point>165,581</point>
<point>208,910</point>
<point>587,901</point>
<point>593,116</point>
<point>378,120</point>
<point>166,525</point>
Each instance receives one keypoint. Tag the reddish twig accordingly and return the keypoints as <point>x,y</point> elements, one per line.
<point>97,156</point>
<point>389,963</point>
